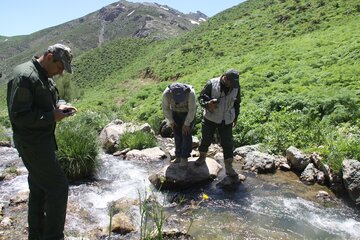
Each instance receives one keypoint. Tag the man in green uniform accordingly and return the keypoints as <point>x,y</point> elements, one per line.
<point>33,112</point>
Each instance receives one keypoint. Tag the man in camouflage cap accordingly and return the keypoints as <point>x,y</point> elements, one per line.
<point>33,109</point>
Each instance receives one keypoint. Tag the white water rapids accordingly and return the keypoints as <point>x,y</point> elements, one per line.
<point>262,207</point>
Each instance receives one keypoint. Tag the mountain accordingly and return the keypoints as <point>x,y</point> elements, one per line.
<point>117,20</point>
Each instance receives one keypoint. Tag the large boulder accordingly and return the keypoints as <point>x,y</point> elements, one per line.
<point>298,160</point>
<point>308,176</point>
<point>245,150</point>
<point>351,179</point>
<point>148,154</point>
<point>259,162</point>
<point>111,134</point>
<point>175,177</point>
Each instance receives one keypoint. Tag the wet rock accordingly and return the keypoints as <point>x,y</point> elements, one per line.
<point>175,177</point>
<point>308,176</point>
<point>298,160</point>
<point>282,163</point>
<point>175,234</point>
<point>320,178</point>
<point>1,209</point>
<point>20,198</point>
<point>149,154</point>
<point>121,224</point>
<point>5,144</point>
<point>6,222</point>
<point>336,184</point>
<point>351,179</point>
<point>324,196</point>
<point>259,162</point>
<point>244,150</point>
<point>122,152</point>
<point>231,182</point>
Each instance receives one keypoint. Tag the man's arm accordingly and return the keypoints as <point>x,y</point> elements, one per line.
<point>166,107</point>
<point>192,108</point>
<point>20,101</point>
<point>237,105</point>
<point>205,94</point>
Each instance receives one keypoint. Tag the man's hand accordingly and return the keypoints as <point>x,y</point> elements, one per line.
<point>185,130</point>
<point>234,124</point>
<point>212,105</point>
<point>63,111</point>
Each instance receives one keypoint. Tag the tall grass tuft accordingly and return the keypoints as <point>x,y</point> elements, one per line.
<point>78,148</point>
<point>137,140</point>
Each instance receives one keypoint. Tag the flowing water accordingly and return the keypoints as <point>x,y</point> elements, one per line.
<point>272,206</point>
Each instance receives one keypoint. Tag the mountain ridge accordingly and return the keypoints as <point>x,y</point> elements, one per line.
<point>116,20</point>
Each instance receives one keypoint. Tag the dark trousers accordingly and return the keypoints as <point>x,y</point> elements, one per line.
<point>226,138</point>
<point>48,192</point>
<point>183,143</point>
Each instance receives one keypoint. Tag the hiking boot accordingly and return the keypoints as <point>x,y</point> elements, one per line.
<point>229,170</point>
<point>176,160</point>
<point>183,162</point>
<point>201,159</point>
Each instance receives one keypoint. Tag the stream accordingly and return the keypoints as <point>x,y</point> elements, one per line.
<point>271,206</point>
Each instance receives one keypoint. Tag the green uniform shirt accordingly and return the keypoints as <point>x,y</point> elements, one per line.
<point>31,99</point>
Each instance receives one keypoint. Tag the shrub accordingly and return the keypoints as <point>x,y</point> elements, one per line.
<point>78,149</point>
<point>248,129</point>
<point>292,128</point>
<point>137,140</point>
<point>342,143</point>
<point>93,120</point>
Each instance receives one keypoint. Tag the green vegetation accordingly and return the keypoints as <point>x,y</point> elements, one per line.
<point>299,65</point>
<point>78,147</point>
<point>4,134</point>
<point>137,140</point>
<point>152,217</point>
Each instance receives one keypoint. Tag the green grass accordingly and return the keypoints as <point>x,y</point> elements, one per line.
<point>137,140</point>
<point>78,147</point>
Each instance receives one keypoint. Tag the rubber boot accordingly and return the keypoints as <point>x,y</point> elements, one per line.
<point>176,160</point>
<point>229,170</point>
<point>183,162</point>
<point>201,159</point>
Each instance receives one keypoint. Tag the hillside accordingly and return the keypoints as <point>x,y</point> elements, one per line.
<point>299,64</point>
<point>117,20</point>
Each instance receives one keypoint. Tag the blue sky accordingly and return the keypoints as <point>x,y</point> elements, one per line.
<point>20,17</point>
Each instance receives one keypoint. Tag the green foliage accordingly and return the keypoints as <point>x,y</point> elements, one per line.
<point>152,217</point>
<point>248,129</point>
<point>5,135</point>
<point>5,121</point>
<point>137,140</point>
<point>78,148</point>
<point>291,128</point>
<point>340,144</point>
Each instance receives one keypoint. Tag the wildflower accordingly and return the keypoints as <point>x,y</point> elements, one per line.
<point>205,197</point>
